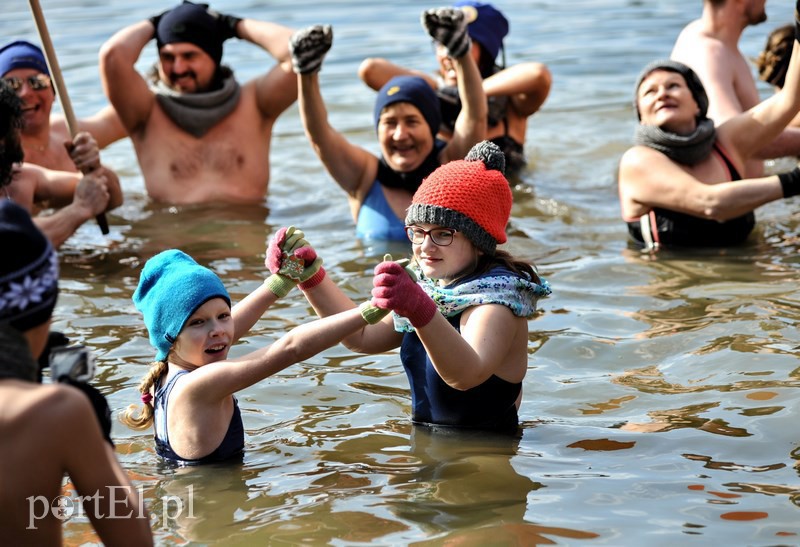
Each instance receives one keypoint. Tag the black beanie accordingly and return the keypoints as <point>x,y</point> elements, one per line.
<point>191,23</point>
<point>28,271</point>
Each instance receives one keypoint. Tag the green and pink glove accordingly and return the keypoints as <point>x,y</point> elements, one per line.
<point>292,261</point>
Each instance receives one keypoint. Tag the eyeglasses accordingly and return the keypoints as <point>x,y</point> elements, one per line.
<point>440,236</point>
<point>37,82</point>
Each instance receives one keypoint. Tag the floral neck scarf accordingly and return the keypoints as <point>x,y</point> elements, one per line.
<point>516,293</point>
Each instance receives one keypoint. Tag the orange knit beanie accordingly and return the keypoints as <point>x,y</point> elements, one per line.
<point>470,195</point>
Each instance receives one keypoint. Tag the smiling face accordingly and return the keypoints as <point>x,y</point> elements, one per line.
<point>665,100</point>
<point>36,104</point>
<point>185,67</point>
<point>206,337</point>
<point>445,263</point>
<point>404,136</point>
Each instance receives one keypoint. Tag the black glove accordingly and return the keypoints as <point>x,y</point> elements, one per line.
<point>155,19</point>
<point>226,24</point>
<point>448,26</point>
<point>308,47</point>
<point>99,403</point>
<point>790,182</point>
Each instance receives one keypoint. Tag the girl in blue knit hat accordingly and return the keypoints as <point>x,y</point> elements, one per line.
<point>514,93</point>
<point>188,393</point>
<point>407,119</point>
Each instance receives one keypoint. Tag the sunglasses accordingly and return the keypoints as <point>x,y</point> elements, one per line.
<point>440,236</point>
<point>37,82</point>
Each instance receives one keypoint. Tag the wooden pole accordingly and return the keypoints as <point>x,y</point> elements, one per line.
<point>58,81</point>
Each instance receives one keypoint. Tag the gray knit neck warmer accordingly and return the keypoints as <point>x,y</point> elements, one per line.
<point>196,113</point>
<point>685,149</point>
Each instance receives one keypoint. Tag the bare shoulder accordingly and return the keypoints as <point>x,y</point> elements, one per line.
<point>39,404</point>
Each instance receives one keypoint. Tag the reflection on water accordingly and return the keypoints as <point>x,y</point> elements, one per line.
<point>660,398</point>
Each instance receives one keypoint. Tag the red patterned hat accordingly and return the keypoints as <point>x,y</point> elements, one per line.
<point>470,195</point>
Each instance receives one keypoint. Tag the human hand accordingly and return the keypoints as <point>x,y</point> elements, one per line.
<point>91,194</point>
<point>395,288</point>
<point>292,261</point>
<point>226,24</point>
<point>448,26</point>
<point>84,152</point>
<point>790,182</point>
<point>308,47</point>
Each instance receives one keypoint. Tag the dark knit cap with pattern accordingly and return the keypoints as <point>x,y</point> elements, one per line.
<point>470,195</point>
<point>28,271</point>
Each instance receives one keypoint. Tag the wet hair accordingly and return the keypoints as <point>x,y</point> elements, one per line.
<point>145,417</point>
<point>773,61</point>
<point>10,123</point>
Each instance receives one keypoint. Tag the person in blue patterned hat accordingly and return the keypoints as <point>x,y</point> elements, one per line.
<point>49,430</point>
<point>514,93</point>
<point>407,117</point>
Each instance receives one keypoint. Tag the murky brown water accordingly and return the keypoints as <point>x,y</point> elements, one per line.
<point>660,404</point>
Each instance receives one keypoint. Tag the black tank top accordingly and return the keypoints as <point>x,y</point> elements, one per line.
<point>671,228</point>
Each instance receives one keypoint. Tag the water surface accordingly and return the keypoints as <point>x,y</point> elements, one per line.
<point>658,404</point>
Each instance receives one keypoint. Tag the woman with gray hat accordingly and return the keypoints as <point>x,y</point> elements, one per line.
<point>679,185</point>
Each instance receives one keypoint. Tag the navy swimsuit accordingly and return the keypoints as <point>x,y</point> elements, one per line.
<point>489,406</point>
<point>232,444</point>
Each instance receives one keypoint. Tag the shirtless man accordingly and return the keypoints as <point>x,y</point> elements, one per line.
<point>710,46</point>
<point>75,197</point>
<point>43,135</point>
<point>49,430</point>
<point>198,135</point>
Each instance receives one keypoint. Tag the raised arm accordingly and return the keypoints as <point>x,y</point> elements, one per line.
<point>527,85</point>
<point>448,26</point>
<point>747,132</point>
<point>375,72</point>
<point>123,85</point>
<point>277,89</point>
<point>350,166</point>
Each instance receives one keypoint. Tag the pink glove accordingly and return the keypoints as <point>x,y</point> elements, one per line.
<point>395,290</point>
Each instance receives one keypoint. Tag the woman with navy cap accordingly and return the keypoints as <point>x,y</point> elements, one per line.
<point>514,93</point>
<point>407,118</point>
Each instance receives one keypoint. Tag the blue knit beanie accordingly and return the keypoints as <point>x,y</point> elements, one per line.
<point>487,25</point>
<point>414,90</point>
<point>22,54</point>
<point>171,288</point>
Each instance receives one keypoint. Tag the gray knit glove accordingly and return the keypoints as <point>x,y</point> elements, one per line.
<point>448,26</point>
<point>309,46</point>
